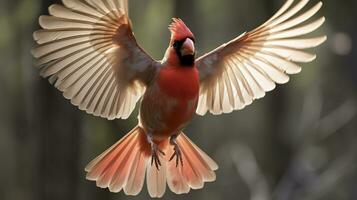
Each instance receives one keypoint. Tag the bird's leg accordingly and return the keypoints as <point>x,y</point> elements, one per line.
<point>154,152</point>
<point>177,151</point>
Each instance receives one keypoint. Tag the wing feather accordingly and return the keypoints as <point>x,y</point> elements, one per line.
<point>88,51</point>
<point>242,70</point>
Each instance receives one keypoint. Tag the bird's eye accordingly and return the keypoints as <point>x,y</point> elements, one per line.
<point>175,45</point>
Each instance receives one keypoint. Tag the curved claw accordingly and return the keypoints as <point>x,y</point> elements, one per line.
<point>177,152</point>
<point>155,156</point>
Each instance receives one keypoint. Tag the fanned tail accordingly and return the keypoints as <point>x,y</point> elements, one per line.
<point>197,167</point>
<point>123,167</point>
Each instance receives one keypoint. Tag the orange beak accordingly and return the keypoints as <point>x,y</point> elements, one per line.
<point>188,48</point>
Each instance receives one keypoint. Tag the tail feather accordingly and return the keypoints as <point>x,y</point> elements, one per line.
<point>114,167</point>
<point>93,163</point>
<point>109,177</point>
<point>156,179</point>
<point>197,168</point>
<point>203,159</point>
<point>124,165</point>
<point>175,179</point>
<point>137,175</point>
<point>192,173</point>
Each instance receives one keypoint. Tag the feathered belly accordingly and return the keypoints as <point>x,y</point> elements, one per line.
<point>170,103</point>
<point>163,115</point>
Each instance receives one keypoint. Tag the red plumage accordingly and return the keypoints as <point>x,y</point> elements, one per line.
<point>88,51</point>
<point>179,30</point>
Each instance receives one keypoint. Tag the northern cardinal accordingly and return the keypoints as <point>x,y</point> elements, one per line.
<point>88,51</point>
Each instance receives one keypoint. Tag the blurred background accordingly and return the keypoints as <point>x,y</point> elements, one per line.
<point>298,143</point>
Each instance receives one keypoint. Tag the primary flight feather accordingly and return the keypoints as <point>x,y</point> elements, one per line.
<point>88,51</point>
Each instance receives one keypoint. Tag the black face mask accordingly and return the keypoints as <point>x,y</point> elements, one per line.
<point>187,60</point>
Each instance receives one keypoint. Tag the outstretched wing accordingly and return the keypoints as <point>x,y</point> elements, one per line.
<point>88,51</point>
<point>242,70</point>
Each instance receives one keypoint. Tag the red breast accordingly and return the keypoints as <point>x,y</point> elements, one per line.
<point>181,85</point>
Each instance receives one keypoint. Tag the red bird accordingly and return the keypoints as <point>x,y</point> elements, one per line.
<point>88,51</point>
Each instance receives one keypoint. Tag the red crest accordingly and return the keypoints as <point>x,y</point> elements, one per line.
<point>179,30</point>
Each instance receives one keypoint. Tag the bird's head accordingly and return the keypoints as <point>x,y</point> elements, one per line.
<point>182,44</point>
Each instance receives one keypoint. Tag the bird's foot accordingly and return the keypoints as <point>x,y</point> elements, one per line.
<point>155,151</point>
<point>177,151</point>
